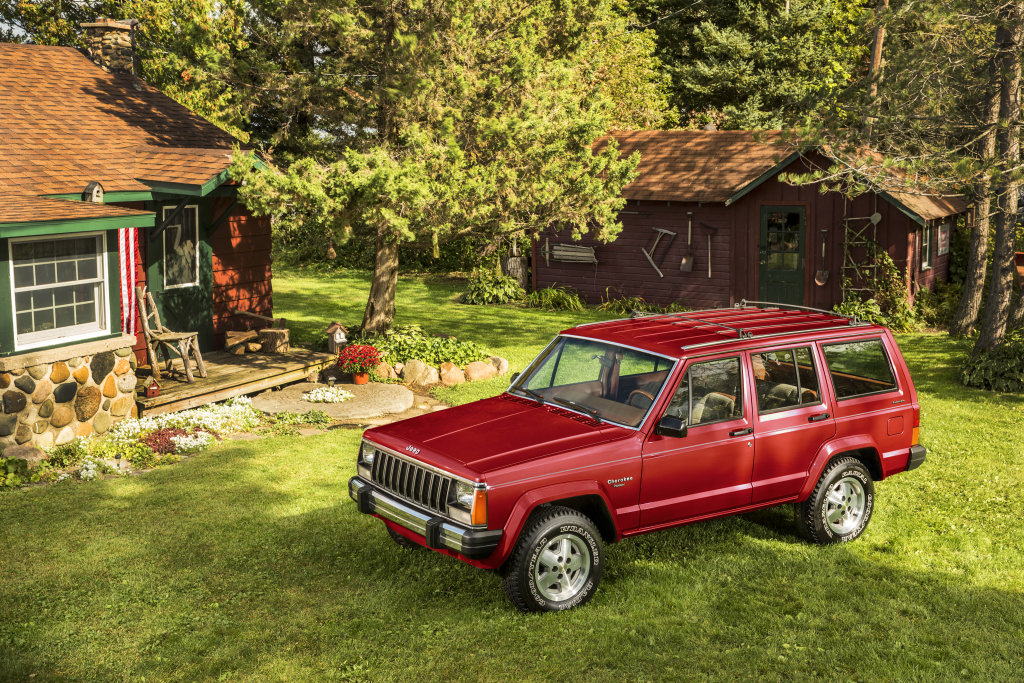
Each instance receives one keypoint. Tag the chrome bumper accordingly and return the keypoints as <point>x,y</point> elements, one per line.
<point>437,532</point>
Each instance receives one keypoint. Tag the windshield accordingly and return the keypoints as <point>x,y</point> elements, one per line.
<point>603,380</point>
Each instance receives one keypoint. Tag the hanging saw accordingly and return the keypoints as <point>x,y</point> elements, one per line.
<point>654,248</point>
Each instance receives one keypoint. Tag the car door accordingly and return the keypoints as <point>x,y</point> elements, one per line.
<point>794,418</point>
<point>707,470</point>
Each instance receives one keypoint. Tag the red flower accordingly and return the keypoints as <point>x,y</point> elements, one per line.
<point>358,358</point>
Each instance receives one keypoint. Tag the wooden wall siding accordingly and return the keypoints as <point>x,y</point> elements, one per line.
<point>241,271</point>
<point>625,270</point>
<point>735,250</point>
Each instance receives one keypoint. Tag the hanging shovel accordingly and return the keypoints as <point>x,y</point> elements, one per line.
<point>686,265</point>
<point>821,277</point>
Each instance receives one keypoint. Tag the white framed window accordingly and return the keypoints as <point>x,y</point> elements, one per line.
<point>926,247</point>
<point>181,249</point>
<point>59,288</point>
<point>944,233</point>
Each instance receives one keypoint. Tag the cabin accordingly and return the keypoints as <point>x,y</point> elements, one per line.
<point>708,223</point>
<point>107,185</point>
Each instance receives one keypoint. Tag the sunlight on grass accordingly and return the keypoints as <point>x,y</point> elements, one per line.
<point>250,563</point>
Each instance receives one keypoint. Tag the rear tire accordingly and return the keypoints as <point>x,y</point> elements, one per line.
<point>556,564</point>
<point>402,541</point>
<point>840,507</point>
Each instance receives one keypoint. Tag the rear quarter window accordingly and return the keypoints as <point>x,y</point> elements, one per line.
<point>859,368</point>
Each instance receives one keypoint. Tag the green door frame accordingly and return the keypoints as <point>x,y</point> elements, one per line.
<point>785,282</point>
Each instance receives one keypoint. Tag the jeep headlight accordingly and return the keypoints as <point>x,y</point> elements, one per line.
<point>364,464</point>
<point>468,504</point>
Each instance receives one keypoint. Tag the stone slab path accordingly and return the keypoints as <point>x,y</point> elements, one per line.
<point>371,401</point>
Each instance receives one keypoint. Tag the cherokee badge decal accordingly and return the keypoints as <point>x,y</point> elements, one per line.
<point>616,483</point>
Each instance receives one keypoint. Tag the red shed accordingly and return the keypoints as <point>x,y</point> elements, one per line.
<point>719,190</point>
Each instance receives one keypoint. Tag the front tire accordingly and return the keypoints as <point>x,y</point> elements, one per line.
<point>556,564</point>
<point>840,507</point>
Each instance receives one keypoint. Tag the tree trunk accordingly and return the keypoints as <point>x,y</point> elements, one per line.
<point>997,309</point>
<point>974,285</point>
<point>876,65</point>
<point>515,266</point>
<point>380,307</point>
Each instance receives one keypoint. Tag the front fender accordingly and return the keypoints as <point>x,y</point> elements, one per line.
<point>826,453</point>
<point>530,500</point>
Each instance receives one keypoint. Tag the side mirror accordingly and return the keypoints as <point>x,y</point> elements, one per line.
<point>515,376</point>
<point>671,426</point>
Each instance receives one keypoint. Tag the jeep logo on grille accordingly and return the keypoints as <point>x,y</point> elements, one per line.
<point>413,450</point>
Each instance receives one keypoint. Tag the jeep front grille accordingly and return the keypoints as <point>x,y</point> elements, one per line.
<point>413,482</point>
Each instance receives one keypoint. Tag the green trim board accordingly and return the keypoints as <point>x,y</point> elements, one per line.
<point>108,197</point>
<point>188,189</point>
<point>30,228</point>
<point>899,205</point>
<point>767,175</point>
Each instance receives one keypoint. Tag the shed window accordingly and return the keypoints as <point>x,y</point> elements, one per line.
<point>59,288</point>
<point>181,252</point>
<point>926,246</point>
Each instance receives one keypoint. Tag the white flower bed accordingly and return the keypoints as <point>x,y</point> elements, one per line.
<point>328,395</point>
<point>234,415</point>
<point>191,443</point>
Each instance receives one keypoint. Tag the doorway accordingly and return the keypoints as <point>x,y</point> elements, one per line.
<point>781,259</point>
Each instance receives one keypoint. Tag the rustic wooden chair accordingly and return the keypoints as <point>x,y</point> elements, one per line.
<point>157,335</point>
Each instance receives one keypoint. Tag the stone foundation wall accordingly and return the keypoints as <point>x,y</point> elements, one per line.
<point>52,403</point>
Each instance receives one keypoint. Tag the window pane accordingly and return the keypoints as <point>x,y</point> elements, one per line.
<point>43,251</point>
<point>65,316</point>
<point>42,298</point>
<point>87,269</point>
<point>62,296</point>
<point>775,380</point>
<point>859,368</point>
<point>86,246</point>
<point>635,363</point>
<point>22,252</point>
<point>23,276</point>
<point>43,320</point>
<point>46,274</point>
<point>24,323</point>
<point>180,244</point>
<point>578,362</point>
<point>66,271</point>
<point>85,313</point>
<point>679,406</point>
<point>810,392</point>
<point>23,301</point>
<point>717,391</point>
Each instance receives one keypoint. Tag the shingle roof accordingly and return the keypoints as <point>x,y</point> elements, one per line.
<point>712,166</point>
<point>696,165</point>
<point>20,209</point>
<point>65,122</point>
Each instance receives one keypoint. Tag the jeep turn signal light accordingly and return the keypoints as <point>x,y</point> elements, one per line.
<point>915,434</point>
<point>479,513</point>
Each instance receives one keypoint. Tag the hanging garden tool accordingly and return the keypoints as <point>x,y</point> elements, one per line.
<point>821,277</point>
<point>660,232</point>
<point>686,265</point>
<point>710,231</point>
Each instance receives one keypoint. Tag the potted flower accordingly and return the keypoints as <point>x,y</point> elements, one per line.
<point>358,360</point>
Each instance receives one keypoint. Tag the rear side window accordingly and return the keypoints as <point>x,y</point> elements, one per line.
<point>859,368</point>
<point>784,378</point>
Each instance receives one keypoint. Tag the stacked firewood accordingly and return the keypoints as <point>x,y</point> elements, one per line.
<point>242,342</point>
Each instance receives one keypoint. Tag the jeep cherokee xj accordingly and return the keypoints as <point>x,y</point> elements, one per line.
<point>631,426</point>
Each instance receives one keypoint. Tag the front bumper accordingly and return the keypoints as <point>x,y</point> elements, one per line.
<point>438,533</point>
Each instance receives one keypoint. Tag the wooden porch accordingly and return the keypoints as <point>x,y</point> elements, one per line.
<point>227,376</point>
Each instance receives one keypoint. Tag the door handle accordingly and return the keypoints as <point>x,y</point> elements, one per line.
<point>742,432</point>
<point>817,418</point>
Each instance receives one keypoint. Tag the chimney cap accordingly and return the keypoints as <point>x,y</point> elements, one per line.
<point>107,22</point>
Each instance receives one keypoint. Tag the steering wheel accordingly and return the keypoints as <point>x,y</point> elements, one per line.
<point>629,400</point>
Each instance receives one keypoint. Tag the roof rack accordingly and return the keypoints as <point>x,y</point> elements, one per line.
<point>743,304</point>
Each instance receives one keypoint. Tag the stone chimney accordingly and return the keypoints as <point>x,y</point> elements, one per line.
<point>109,44</point>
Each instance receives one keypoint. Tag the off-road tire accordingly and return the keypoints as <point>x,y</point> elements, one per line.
<point>828,501</point>
<point>402,541</point>
<point>548,529</point>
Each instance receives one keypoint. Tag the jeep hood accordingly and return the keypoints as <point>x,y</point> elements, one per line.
<point>493,433</point>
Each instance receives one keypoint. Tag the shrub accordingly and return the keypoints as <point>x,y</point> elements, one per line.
<point>555,299</point>
<point>938,308</point>
<point>490,288</point>
<point>627,304</point>
<point>358,358</point>
<point>17,472</point>
<point>402,343</point>
<point>68,454</point>
<point>1001,369</point>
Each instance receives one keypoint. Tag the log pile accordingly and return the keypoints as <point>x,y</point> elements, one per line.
<point>242,342</point>
<point>274,341</point>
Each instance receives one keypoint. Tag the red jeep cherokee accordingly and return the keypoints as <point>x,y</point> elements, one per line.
<point>630,426</point>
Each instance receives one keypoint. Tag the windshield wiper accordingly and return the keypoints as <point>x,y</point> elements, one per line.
<point>587,409</point>
<point>531,394</point>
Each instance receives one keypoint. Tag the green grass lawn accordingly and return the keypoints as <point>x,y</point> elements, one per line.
<point>249,562</point>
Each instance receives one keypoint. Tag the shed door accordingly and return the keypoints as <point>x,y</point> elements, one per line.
<point>781,259</point>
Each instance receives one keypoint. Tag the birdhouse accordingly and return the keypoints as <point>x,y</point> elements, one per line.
<point>152,388</point>
<point>93,192</point>
<point>335,337</point>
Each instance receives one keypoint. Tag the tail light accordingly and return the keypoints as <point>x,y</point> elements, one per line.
<point>916,427</point>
